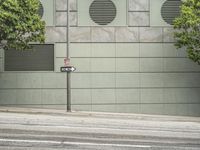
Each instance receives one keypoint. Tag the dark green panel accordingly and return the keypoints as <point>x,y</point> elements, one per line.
<point>40,58</point>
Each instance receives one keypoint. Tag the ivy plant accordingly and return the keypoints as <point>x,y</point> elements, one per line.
<point>20,24</point>
<point>187,29</point>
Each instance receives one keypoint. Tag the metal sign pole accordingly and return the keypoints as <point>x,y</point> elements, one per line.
<point>68,57</point>
<point>68,92</point>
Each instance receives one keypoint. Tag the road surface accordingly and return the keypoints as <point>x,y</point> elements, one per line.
<point>77,131</point>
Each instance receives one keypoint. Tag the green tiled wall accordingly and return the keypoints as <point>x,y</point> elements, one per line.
<point>128,69</point>
<point>150,78</point>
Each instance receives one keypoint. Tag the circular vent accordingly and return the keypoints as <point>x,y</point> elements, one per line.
<point>41,10</point>
<point>102,12</point>
<point>170,10</point>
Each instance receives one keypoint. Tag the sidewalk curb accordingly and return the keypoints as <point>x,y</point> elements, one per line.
<point>54,112</point>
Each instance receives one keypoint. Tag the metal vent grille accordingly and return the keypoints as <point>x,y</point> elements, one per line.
<point>102,12</point>
<point>170,10</point>
<point>41,10</point>
<point>41,58</point>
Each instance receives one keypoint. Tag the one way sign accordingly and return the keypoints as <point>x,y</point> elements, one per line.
<point>67,69</point>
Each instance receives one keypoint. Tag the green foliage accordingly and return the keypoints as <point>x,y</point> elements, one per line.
<point>20,24</point>
<point>187,33</point>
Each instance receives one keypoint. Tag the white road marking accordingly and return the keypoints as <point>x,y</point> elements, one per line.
<point>30,141</point>
<point>74,143</point>
<point>113,145</point>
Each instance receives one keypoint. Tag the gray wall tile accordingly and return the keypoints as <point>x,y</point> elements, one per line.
<point>152,108</point>
<point>28,97</point>
<point>103,80</point>
<point>138,19</point>
<point>152,96</point>
<point>127,50</point>
<point>103,50</point>
<point>28,106</point>
<point>103,34</point>
<point>60,49</point>
<point>168,35</point>
<point>127,96</point>
<point>56,34</point>
<point>193,110</point>
<point>80,34</point>
<point>73,4</point>
<point>181,79</point>
<point>103,65</point>
<point>127,34</point>
<point>170,50</point>
<point>29,80</point>
<point>61,18</point>
<point>151,64</point>
<point>73,19</point>
<point>152,80</point>
<point>104,108</point>
<point>61,5</point>
<point>82,107</point>
<point>151,50</point>
<point>1,52</point>
<point>8,80</point>
<point>169,109</point>
<point>138,5</point>
<point>80,50</point>
<point>192,94</point>
<point>1,65</point>
<point>182,109</point>
<point>127,65</point>
<point>151,34</point>
<point>58,107</point>
<point>127,80</point>
<point>180,64</point>
<point>8,97</point>
<point>103,96</point>
<point>59,62</point>
<point>81,64</point>
<point>81,96</point>
<point>54,80</point>
<point>55,96</point>
<point>81,80</point>
<point>130,108</point>
<point>181,95</point>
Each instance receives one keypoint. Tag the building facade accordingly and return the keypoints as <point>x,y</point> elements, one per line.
<point>125,62</point>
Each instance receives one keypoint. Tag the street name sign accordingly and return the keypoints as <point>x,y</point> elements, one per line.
<point>67,69</point>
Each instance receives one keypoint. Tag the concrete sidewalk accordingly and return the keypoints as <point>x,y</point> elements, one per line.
<point>99,114</point>
<point>42,129</point>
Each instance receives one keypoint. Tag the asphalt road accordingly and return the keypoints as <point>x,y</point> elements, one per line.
<point>20,131</point>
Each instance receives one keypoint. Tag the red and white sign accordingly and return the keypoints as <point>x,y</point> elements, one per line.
<point>66,61</point>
